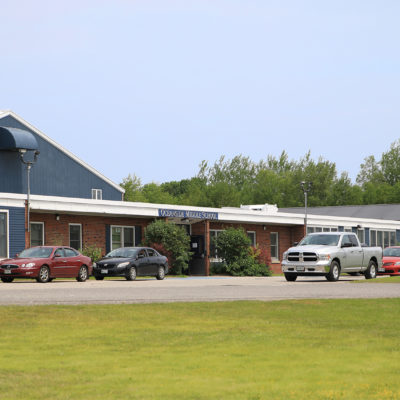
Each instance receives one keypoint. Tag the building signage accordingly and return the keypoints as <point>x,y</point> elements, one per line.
<point>164,212</point>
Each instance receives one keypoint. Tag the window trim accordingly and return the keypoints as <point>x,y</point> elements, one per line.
<point>375,231</point>
<point>255,237</point>
<point>122,236</point>
<point>30,232</point>
<point>274,259</point>
<point>212,258</point>
<point>80,234</point>
<point>97,194</point>
<point>7,233</point>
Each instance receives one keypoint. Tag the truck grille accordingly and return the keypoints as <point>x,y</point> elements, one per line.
<point>306,256</point>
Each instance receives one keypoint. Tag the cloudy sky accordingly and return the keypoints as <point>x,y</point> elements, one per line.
<point>153,87</point>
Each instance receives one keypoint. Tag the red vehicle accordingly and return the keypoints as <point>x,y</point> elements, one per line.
<point>390,261</point>
<point>45,263</point>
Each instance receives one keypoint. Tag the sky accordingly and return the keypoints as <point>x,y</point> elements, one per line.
<point>153,87</point>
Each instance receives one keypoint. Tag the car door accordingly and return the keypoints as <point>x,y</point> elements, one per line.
<point>59,264</point>
<point>73,262</point>
<point>142,263</point>
<point>356,255</point>
<point>153,262</point>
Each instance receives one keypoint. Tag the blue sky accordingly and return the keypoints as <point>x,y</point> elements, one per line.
<point>153,88</point>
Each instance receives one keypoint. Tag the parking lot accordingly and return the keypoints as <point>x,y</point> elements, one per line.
<point>62,291</point>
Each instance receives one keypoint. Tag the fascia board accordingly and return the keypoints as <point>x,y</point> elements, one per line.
<point>59,147</point>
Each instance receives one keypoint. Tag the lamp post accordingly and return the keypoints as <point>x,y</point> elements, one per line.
<point>28,168</point>
<point>306,186</point>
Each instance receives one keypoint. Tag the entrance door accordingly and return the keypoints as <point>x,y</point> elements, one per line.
<point>197,265</point>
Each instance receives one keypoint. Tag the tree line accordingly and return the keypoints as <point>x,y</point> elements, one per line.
<point>276,180</point>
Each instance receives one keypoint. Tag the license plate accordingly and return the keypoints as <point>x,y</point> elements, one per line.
<point>7,271</point>
<point>104,271</point>
<point>381,269</point>
<point>299,269</point>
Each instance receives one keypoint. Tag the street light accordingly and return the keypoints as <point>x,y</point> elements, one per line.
<point>306,186</point>
<point>28,164</point>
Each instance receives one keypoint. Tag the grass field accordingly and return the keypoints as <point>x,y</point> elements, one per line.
<point>316,349</point>
<point>379,279</point>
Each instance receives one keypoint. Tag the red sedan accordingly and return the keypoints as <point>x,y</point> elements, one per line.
<point>44,263</point>
<point>390,261</point>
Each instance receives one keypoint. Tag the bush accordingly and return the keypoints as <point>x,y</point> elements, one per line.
<point>175,242</point>
<point>95,253</point>
<point>241,259</point>
<point>218,268</point>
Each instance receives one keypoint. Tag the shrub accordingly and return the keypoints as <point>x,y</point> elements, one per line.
<point>95,253</point>
<point>174,240</point>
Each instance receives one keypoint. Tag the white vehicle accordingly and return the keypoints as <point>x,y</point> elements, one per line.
<point>329,254</point>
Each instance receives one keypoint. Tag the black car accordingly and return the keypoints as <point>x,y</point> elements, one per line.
<point>131,262</point>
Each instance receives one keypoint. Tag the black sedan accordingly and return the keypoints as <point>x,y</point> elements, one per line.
<point>131,262</point>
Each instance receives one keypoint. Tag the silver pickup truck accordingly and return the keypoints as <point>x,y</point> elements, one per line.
<point>329,254</point>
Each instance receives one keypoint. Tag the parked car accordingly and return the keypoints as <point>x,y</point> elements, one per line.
<point>329,254</point>
<point>45,263</point>
<point>131,262</point>
<point>391,261</point>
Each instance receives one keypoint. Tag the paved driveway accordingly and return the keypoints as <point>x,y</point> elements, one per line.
<point>189,289</point>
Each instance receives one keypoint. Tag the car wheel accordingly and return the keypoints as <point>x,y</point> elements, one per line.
<point>290,277</point>
<point>7,279</point>
<point>370,273</point>
<point>83,274</point>
<point>334,272</point>
<point>98,277</point>
<point>130,274</point>
<point>161,273</point>
<point>44,274</point>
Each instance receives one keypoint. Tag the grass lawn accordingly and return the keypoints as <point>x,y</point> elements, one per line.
<point>315,349</point>
<point>386,279</point>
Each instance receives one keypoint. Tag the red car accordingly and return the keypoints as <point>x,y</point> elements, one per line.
<point>390,261</point>
<point>44,263</point>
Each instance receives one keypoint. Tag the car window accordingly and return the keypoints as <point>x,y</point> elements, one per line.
<point>70,253</point>
<point>59,253</point>
<point>391,252</point>
<point>151,253</point>
<point>36,252</point>
<point>142,253</point>
<point>354,240</point>
<point>346,240</point>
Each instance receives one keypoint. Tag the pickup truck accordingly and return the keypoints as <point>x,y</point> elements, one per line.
<point>329,254</point>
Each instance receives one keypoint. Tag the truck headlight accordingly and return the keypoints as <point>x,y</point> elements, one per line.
<point>324,257</point>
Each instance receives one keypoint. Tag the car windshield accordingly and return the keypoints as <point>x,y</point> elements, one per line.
<point>36,252</point>
<point>123,252</point>
<point>325,240</point>
<point>391,252</point>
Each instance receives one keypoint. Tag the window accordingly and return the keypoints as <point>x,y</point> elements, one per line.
<point>213,236</point>
<point>382,238</point>
<point>311,229</point>
<point>274,246</point>
<point>75,236</point>
<point>37,233</point>
<point>151,253</point>
<point>361,235</point>
<point>3,235</point>
<point>122,236</point>
<point>97,194</point>
<point>70,253</point>
<point>348,230</point>
<point>252,236</point>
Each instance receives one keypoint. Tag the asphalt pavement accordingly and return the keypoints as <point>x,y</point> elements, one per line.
<point>191,289</point>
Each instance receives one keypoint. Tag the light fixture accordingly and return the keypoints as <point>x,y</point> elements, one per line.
<point>57,217</point>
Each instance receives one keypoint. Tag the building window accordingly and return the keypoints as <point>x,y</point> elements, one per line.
<point>213,249</point>
<point>312,229</point>
<point>122,236</point>
<point>382,238</point>
<point>3,235</point>
<point>274,246</point>
<point>75,236</point>
<point>97,194</point>
<point>37,233</point>
<point>252,236</point>
<point>361,235</point>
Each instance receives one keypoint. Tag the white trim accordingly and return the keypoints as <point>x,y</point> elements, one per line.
<point>7,113</point>
<point>255,237</point>
<point>8,232</point>
<point>276,259</point>
<point>30,236</point>
<point>69,234</point>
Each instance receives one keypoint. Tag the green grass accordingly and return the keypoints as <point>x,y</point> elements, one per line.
<point>315,349</point>
<point>387,279</point>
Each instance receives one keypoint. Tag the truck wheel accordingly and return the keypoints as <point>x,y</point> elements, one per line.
<point>334,272</point>
<point>290,277</point>
<point>370,273</point>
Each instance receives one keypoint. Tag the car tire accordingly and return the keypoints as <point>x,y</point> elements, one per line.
<point>130,274</point>
<point>98,277</point>
<point>334,272</point>
<point>83,274</point>
<point>371,271</point>
<point>7,279</point>
<point>290,277</point>
<point>161,273</point>
<point>44,274</point>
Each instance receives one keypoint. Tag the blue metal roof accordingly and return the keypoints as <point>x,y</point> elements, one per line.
<point>15,139</point>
